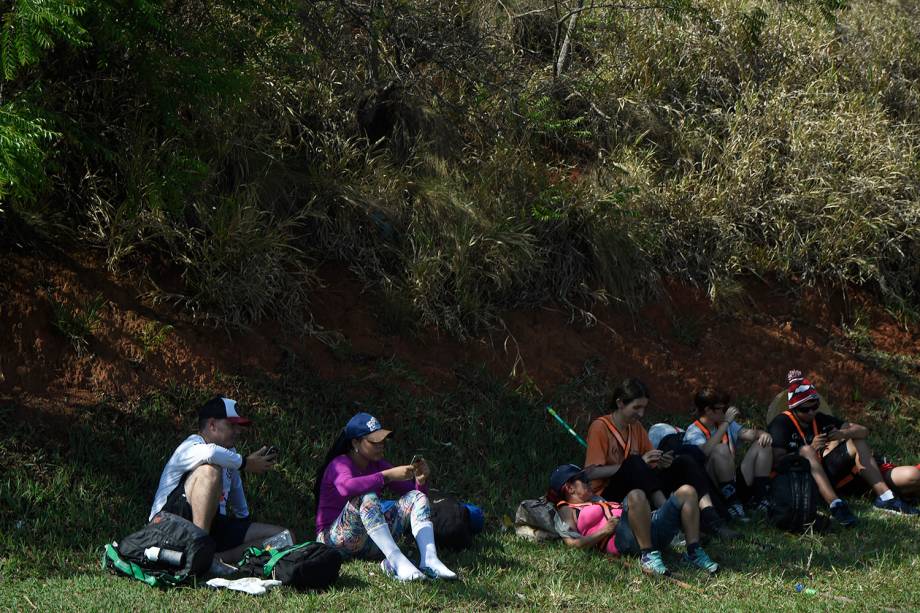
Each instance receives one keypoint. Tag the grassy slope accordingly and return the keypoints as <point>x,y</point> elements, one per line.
<point>74,488</point>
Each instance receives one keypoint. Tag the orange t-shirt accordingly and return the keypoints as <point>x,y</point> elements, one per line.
<point>605,450</point>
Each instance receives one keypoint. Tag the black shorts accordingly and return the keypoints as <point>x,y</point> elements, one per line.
<point>227,532</point>
<point>838,464</point>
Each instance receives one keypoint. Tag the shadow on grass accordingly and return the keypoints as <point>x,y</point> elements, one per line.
<point>764,549</point>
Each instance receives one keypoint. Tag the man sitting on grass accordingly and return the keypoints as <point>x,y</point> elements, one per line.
<point>904,481</point>
<point>835,450</point>
<point>718,435</point>
<point>201,482</point>
<point>584,521</point>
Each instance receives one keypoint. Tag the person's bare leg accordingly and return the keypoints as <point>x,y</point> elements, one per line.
<point>203,490</point>
<point>757,462</point>
<point>817,473</point>
<point>705,501</point>
<point>639,516</point>
<point>723,464</point>
<point>868,468</point>
<point>689,512</point>
<point>256,534</point>
<point>906,479</point>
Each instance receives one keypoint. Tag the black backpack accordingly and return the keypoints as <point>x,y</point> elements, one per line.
<point>185,550</point>
<point>451,522</point>
<point>793,495</point>
<point>307,566</point>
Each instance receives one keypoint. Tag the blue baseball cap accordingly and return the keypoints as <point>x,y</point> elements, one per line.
<point>365,424</point>
<point>563,474</point>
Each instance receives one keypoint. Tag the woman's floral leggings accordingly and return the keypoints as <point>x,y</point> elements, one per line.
<point>348,533</point>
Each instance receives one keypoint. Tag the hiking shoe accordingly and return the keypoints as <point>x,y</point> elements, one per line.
<point>736,512</point>
<point>843,515</point>
<point>652,563</point>
<point>895,505</point>
<point>701,560</point>
<point>762,506</point>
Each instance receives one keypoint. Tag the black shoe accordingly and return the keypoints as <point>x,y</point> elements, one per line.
<point>843,515</point>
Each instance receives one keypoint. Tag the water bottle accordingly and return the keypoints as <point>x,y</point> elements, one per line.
<point>169,557</point>
<point>279,541</point>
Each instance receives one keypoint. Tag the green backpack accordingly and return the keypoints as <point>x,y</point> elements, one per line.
<point>307,566</point>
<point>191,551</point>
<point>112,561</point>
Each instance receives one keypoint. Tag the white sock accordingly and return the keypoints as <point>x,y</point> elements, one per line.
<point>835,502</point>
<point>428,554</point>
<point>888,495</point>
<point>405,570</point>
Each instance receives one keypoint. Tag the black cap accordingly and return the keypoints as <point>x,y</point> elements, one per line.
<point>222,408</point>
<point>563,474</point>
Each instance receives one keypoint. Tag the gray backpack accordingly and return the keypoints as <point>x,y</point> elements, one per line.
<point>535,520</point>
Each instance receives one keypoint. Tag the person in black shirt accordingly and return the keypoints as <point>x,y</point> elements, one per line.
<point>837,451</point>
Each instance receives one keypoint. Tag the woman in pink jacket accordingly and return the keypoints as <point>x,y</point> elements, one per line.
<point>350,515</point>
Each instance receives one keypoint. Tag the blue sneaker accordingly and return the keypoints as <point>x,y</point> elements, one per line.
<point>895,505</point>
<point>652,563</point>
<point>701,560</point>
<point>841,512</point>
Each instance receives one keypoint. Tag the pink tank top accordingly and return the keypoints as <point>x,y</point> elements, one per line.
<point>591,518</point>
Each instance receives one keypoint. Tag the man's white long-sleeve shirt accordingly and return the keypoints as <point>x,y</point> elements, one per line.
<point>192,453</point>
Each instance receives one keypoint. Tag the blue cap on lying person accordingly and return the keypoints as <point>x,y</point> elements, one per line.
<point>563,474</point>
<point>365,424</point>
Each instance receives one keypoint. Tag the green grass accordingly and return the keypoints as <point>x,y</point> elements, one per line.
<point>72,484</point>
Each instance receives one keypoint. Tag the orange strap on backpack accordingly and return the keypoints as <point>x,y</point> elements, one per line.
<point>605,504</point>
<point>624,444</point>
<point>725,437</point>
<point>607,507</point>
<point>814,426</point>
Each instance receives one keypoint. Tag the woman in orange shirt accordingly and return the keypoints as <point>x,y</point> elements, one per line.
<point>625,459</point>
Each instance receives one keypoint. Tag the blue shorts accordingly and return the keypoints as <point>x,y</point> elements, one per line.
<point>665,526</point>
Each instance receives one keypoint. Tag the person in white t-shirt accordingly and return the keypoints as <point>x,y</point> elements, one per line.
<point>202,481</point>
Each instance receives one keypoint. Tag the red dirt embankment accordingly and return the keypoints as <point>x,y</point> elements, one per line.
<point>675,345</point>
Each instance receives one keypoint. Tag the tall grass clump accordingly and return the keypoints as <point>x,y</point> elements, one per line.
<point>451,157</point>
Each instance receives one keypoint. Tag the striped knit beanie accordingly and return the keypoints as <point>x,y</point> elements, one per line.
<point>800,389</point>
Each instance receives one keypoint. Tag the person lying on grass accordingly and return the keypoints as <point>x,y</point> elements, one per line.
<point>716,433</point>
<point>202,482</point>
<point>351,517</point>
<point>585,520</point>
<point>619,445</point>
<point>836,450</point>
<point>904,481</point>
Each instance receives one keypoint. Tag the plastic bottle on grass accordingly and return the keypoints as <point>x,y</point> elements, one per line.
<point>279,541</point>
<point>801,589</point>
